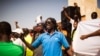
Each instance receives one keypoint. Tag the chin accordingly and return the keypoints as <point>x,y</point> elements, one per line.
<point>49,29</point>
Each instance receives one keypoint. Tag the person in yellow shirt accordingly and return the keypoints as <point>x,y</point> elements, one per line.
<point>28,38</point>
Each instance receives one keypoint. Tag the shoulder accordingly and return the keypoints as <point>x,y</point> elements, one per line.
<point>18,49</point>
<point>42,35</point>
<point>18,46</point>
<point>9,47</point>
<point>59,33</point>
<point>18,42</point>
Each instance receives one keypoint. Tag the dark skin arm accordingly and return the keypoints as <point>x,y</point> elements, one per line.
<point>67,15</point>
<point>16,24</point>
<point>96,33</point>
<point>70,51</point>
<point>26,43</point>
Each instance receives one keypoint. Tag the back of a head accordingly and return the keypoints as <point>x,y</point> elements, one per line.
<point>5,28</point>
<point>94,15</point>
<point>75,4</point>
<point>7,48</point>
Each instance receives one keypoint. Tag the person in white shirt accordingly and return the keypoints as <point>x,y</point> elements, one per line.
<point>18,41</point>
<point>87,37</point>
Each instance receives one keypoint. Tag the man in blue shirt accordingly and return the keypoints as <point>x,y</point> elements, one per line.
<point>51,41</point>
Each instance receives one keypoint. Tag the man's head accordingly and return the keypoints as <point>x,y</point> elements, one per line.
<point>5,30</point>
<point>51,24</point>
<point>94,15</point>
<point>25,31</point>
<point>75,4</point>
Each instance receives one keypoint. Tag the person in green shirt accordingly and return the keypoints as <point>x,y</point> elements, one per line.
<point>7,48</point>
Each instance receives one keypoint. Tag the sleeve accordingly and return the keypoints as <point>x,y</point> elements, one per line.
<point>64,41</point>
<point>37,42</point>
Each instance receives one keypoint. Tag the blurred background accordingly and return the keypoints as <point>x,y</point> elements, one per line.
<point>26,11</point>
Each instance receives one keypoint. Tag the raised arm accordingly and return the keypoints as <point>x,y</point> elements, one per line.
<point>66,14</point>
<point>16,24</point>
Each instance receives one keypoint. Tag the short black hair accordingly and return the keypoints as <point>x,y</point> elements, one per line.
<point>5,28</point>
<point>94,15</point>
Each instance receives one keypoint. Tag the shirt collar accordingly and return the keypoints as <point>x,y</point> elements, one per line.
<point>52,33</point>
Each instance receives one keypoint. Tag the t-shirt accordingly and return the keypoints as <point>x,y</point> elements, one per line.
<point>51,44</point>
<point>19,42</point>
<point>28,38</point>
<point>10,49</point>
<point>90,45</point>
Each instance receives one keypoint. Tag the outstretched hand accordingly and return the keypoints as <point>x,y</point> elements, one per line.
<point>16,22</point>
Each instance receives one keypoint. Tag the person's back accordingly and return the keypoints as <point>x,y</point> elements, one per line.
<point>7,48</point>
<point>10,49</point>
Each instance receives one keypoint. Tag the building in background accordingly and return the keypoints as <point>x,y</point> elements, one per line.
<point>87,7</point>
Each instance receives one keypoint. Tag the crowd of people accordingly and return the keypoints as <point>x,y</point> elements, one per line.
<point>49,38</point>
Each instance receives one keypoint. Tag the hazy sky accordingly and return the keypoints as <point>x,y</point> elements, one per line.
<point>26,11</point>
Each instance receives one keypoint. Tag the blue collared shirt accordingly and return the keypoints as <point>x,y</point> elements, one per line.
<point>51,43</point>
